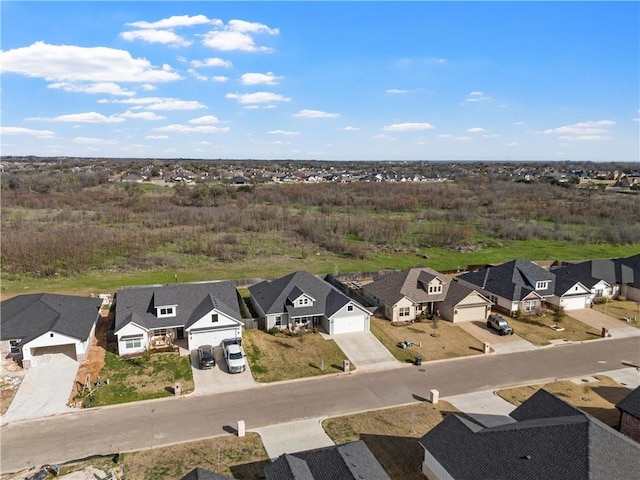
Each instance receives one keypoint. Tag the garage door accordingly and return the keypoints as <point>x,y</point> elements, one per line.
<point>469,314</point>
<point>573,303</point>
<point>69,350</point>
<point>348,324</point>
<point>212,336</point>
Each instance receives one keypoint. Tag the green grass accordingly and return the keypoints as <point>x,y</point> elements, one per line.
<point>536,330</point>
<point>142,378</point>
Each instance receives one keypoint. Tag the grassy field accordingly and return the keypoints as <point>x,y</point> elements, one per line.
<point>391,434</point>
<point>281,357</point>
<point>449,340</point>
<point>141,378</point>
<point>536,329</point>
<point>621,309</point>
<point>595,398</point>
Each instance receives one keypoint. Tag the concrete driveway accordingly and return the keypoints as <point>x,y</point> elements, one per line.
<point>593,318</point>
<point>499,343</point>
<point>44,390</point>
<point>294,437</point>
<point>485,407</point>
<point>365,351</point>
<point>218,379</point>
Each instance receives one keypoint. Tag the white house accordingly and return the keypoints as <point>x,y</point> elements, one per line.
<point>570,294</point>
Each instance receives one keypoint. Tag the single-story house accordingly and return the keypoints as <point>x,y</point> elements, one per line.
<point>302,300</point>
<point>549,439</point>
<point>519,285</point>
<point>153,317</point>
<point>42,323</point>
<point>349,461</point>
<point>570,294</point>
<point>629,408</point>
<point>407,294</point>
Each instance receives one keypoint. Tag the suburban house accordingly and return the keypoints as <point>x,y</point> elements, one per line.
<point>202,474</point>
<point>407,294</point>
<point>570,294</point>
<point>302,300</point>
<point>549,439</point>
<point>154,317</point>
<point>629,408</point>
<point>519,285</point>
<point>42,323</point>
<point>350,461</point>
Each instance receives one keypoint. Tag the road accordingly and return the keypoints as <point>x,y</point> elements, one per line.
<point>162,422</point>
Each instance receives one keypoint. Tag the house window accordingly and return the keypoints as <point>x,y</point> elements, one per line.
<point>404,311</point>
<point>214,317</point>
<point>166,311</point>
<point>599,293</point>
<point>133,343</point>
<point>14,346</point>
<point>493,299</point>
<point>278,321</point>
<point>530,305</point>
<point>160,332</point>
<point>435,289</point>
<point>543,285</point>
<point>350,308</point>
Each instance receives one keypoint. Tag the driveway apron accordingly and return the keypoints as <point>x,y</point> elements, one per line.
<point>217,379</point>
<point>499,343</point>
<point>365,351</point>
<point>294,437</point>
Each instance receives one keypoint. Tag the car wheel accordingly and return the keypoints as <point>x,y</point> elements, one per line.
<point>489,324</point>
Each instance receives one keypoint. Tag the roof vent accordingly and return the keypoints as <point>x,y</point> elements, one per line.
<point>526,457</point>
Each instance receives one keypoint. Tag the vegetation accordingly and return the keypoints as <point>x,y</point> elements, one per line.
<point>537,329</point>
<point>621,309</point>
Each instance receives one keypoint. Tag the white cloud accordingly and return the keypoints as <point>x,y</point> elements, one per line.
<point>157,137</point>
<point>396,91</point>
<point>220,78</point>
<point>408,127</point>
<point>349,128</point>
<point>207,119</point>
<point>477,96</point>
<point>147,86</point>
<point>142,115</point>
<point>176,21</point>
<point>512,144</point>
<point>257,97</point>
<point>26,131</point>
<point>82,64</point>
<point>198,76</point>
<point>306,113</point>
<point>162,103</point>
<point>475,130</point>
<point>257,78</point>
<point>445,135</point>
<point>581,131</point>
<point>164,37</point>
<point>99,87</point>
<point>87,117</point>
<point>189,129</point>
<point>283,132</point>
<point>236,35</point>
<point>93,141</point>
<point>211,62</point>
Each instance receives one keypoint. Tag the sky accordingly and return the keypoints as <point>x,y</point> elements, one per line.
<point>502,81</point>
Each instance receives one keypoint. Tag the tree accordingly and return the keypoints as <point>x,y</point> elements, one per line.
<point>558,314</point>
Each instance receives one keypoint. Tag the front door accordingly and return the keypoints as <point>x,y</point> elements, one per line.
<point>180,333</point>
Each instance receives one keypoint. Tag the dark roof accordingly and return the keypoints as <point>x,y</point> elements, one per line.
<point>410,283</point>
<point>202,474</point>
<point>614,271</point>
<point>551,439</point>
<point>193,300</point>
<point>350,461</point>
<point>513,280</point>
<point>458,292</point>
<point>26,317</point>
<point>631,403</point>
<point>275,296</point>
<point>563,284</point>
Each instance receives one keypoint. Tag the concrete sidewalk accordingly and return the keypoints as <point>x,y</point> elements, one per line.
<point>485,407</point>
<point>627,377</point>
<point>293,437</point>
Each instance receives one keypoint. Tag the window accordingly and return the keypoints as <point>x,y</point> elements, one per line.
<point>278,321</point>
<point>350,308</point>
<point>214,317</point>
<point>133,343</point>
<point>14,346</point>
<point>493,299</point>
<point>530,305</point>
<point>599,293</point>
<point>166,311</point>
<point>404,311</point>
<point>543,285</point>
<point>435,289</point>
<point>160,332</point>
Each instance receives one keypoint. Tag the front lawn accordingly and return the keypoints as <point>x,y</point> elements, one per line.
<point>537,329</point>
<point>445,341</point>
<point>282,357</point>
<point>141,378</point>
<point>620,310</point>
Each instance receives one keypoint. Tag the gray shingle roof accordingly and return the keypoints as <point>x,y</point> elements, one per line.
<point>274,296</point>
<point>202,474</point>
<point>458,292</point>
<point>512,280</point>
<point>27,317</point>
<point>614,271</point>
<point>138,304</point>
<point>350,461</point>
<point>551,439</point>
<point>631,403</point>
<point>411,283</point>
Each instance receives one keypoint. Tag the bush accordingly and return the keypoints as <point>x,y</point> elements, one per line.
<point>274,330</point>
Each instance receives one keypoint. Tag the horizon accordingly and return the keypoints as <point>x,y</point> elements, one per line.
<point>204,81</point>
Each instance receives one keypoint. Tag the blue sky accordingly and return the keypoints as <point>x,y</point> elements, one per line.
<point>322,80</point>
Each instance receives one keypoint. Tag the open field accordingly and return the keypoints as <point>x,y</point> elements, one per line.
<point>536,329</point>
<point>445,341</point>
<point>281,357</point>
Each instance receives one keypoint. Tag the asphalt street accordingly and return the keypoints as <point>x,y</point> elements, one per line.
<point>162,422</point>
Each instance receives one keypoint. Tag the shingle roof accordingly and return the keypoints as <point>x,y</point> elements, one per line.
<point>614,271</point>
<point>551,439</point>
<point>350,461</point>
<point>202,474</point>
<point>631,403</point>
<point>411,283</point>
<point>27,317</point>
<point>513,280</point>
<point>273,296</point>
<point>458,292</point>
<point>193,300</point>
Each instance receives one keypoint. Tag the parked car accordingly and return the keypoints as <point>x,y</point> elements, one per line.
<point>206,359</point>
<point>234,355</point>
<point>500,324</point>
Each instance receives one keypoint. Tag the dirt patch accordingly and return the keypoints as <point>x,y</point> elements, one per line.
<point>10,380</point>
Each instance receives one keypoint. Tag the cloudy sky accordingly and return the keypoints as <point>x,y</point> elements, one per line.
<point>323,80</point>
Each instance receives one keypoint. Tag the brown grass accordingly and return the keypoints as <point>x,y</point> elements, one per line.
<point>620,309</point>
<point>446,341</point>
<point>391,434</point>
<point>595,398</point>
<point>536,329</point>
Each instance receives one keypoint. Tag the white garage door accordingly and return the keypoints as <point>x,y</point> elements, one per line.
<point>469,314</point>
<point>212,336</point>
<point>348,324</point>
<point>573,303</point>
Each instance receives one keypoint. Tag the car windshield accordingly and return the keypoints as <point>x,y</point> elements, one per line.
<point>502,323</point>
<point>235,356</point>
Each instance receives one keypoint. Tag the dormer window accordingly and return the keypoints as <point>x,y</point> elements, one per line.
<point>435,289</point>
<point>542,285</point>
<point>164,312</point>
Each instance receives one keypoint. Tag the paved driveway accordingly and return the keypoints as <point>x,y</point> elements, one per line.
<point>217,379</point>
<point>44,390</point>
<point>597,320</point>
<point>365,351</point>
<point>485,407</point>
<point>294,437</point>
<point>499,343</point>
